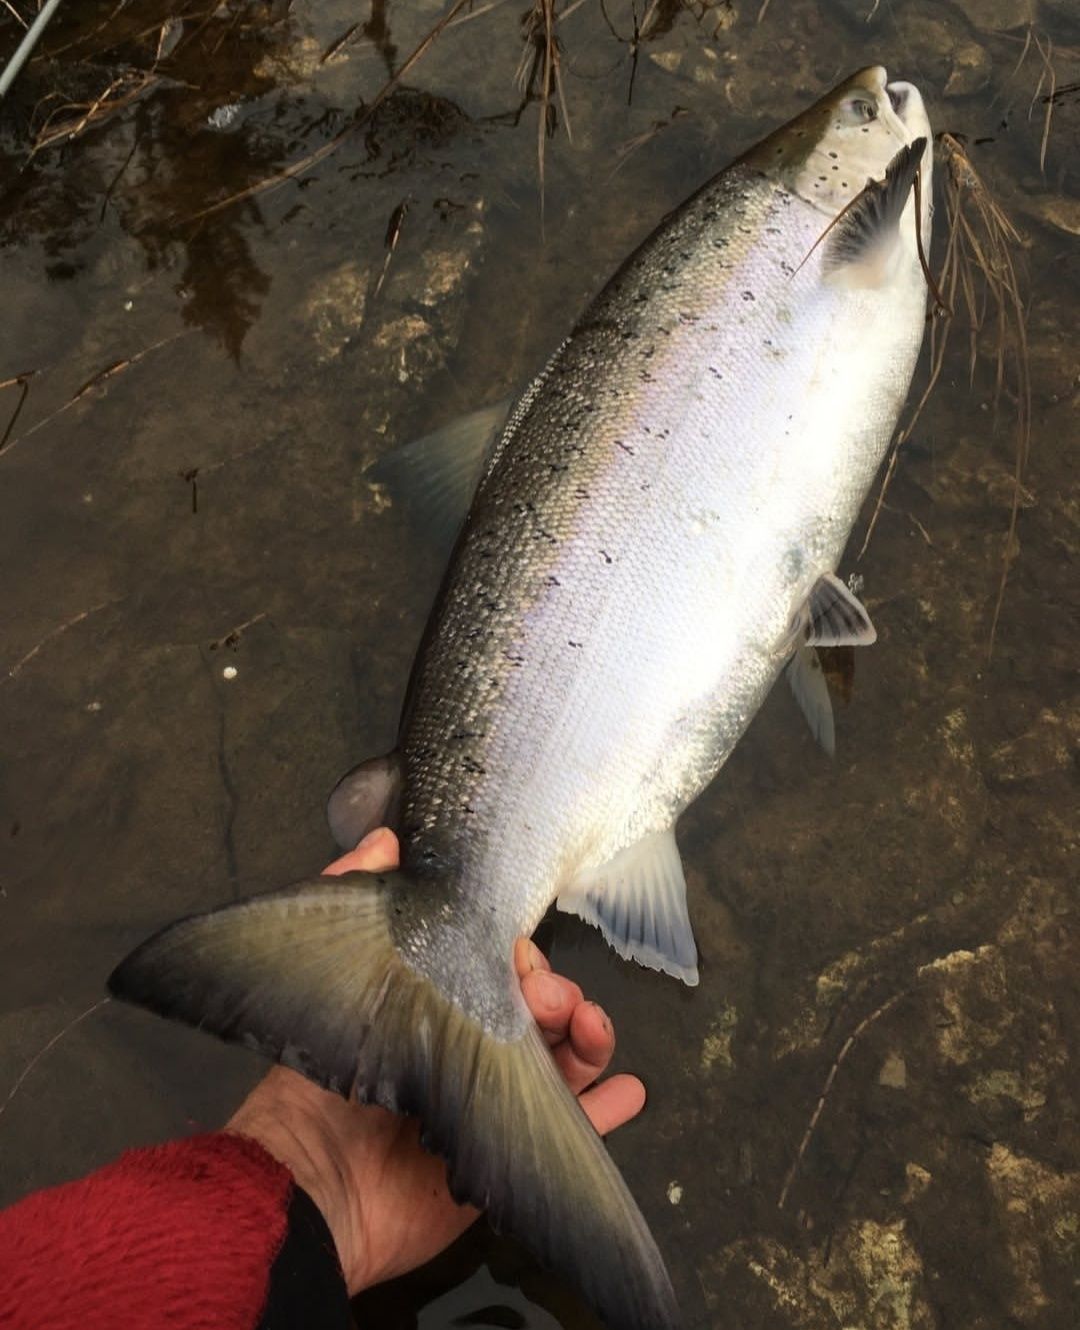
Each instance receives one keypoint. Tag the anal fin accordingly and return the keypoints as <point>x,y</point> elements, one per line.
<point>638,901</point>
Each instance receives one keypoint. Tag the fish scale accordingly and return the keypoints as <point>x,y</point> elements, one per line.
<point>657,517</point>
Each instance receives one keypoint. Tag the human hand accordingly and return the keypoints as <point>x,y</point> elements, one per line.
<point>385,1199</point>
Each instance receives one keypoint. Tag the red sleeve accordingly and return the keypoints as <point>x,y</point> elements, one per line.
<point>182,1235</point>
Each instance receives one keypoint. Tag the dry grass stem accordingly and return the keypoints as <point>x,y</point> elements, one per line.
<point>60,1034</point>
<point>1047,77</point>
<point>22,382</point>
<point>978,279</point>
<point>96,380</point>
<point>626,150</point>
<point>27,657</point>
<point>539,75</point>
<point>80,116</point>
<point>339,43</point>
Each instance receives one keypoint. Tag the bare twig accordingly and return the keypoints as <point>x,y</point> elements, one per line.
<point>305,164</point>
<point>25,660</point>
<point>848,1044</point>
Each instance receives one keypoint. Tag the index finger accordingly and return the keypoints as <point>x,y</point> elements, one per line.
<point>529,957</point>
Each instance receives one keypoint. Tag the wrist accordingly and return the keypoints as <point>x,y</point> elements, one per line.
<point>290,1118</point>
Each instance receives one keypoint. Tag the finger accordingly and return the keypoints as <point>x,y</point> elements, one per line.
<point>552,1000</point>
<point>588,1047</point>
<point>528,957</point>
<point>376,853</point>
<point>613,1102</point>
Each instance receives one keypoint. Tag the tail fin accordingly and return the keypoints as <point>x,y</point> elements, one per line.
<point>310,976</point>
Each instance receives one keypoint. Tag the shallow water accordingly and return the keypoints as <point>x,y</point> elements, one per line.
<point>181,493</point>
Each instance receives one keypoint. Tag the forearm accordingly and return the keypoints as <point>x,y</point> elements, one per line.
<point>207,1232</point>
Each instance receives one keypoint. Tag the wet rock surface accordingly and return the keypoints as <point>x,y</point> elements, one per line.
<point>867,1111</point>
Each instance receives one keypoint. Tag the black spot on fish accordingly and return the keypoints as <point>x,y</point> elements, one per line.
<point>748,295</point>
<point>572,643</point>
<point>607,557</point>
<point>552,581</point>
<point>625,447</point>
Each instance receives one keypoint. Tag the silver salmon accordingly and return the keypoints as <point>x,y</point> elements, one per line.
<point>655,537</point>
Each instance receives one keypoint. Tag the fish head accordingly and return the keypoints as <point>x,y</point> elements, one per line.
<point>827,154</point>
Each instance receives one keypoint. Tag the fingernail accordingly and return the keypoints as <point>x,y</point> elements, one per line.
<point>536,956</point>
<point>548,990</point>
<point>604,1019</point>
<point>372,838</point>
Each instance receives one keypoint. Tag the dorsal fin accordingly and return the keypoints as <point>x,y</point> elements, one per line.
<point>437,475</point>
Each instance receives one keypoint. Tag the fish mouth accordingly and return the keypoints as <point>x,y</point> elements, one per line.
<point>908,110</point>
<point>898,94</point>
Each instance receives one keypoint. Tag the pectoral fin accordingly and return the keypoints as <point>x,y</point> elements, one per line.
<point>364,798</point>
<point>436,476</point>
<point>835,617</point>
<point>864,239</point>
<point>810,690</point>
<point>638,901</point>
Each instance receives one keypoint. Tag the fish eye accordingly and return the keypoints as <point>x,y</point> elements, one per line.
<point>857,111</point>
